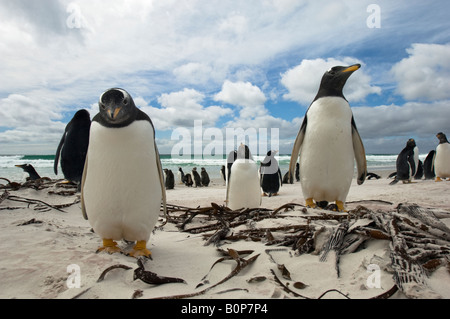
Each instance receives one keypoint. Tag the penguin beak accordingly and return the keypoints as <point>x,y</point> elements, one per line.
<point>352,68</point>
<point>112,114</point>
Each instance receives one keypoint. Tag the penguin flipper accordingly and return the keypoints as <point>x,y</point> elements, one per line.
<point>58,152</point>
<point>360,154</point>
<point>161,181</point>
<point>296,150</point>
<point>83,179</point>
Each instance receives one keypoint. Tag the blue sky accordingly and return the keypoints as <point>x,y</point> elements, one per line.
<point>230,64</point>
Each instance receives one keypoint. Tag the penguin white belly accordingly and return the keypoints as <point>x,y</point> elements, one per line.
<point>442,160</point>
<point>122,191</point>
<point>244,188</point>
<point>327,155</point>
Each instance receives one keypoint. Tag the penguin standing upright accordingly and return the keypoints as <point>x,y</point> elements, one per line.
<point>122,185</point>
<point>243,188</point>
<point>329,143</point>
<point>428,165</point>
<point>169,181</point>
<point>270,175</point>
<point>73,147</point>
<point>196,178</point>
<point>406,163</point>
<point>181,175</point>
<point>204,177</point>
<point>442,158</point>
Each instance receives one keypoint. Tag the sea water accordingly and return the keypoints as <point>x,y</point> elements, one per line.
<point>44,164</point>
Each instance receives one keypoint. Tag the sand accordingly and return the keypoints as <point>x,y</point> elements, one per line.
<point>56,257</point>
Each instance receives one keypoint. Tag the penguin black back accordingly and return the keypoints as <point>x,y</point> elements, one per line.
<point>72,148</point>
<point>428,165</point>
<point>204,177</point>
<point>197,179</point>
<point>406,167</point>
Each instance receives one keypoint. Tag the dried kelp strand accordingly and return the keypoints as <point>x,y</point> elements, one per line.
<point>102,276</point>
<point>151,278</point>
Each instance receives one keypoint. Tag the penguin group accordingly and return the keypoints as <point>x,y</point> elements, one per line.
<point>435,166</point>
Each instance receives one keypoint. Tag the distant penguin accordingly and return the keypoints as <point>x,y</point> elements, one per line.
<point>428,165</point>
<point>28,168</point>
<point>270,175</point>
<point>243,187</point>
<point>123,184</point>
<point>197,179</point>
<point>181,175</point>
<point>223,174</point>
<point>73,147</point>
<point>297,172</point>
<point>329,143</point>
<point>286,178</point>
<point>204,177</point>
<point>169,181</point>
<point>406,164</point>
<point>188,180</point>
<point>442,158</point>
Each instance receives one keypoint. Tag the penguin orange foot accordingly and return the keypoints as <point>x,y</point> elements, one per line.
<point>140,250</point>
<point>340,206</point>
<point>310,203</point>
<point>109,246</point>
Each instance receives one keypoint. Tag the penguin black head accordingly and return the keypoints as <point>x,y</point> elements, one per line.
<point>411,143</point>
<point>82,115</point>
<point>117,107</point>
<point>442,138</point>
<point>244,152</point>
<point>334,79</point>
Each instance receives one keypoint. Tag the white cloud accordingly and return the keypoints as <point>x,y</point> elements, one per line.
<point>425,74</point>
<point>182,108</point>
<point>249,98</point>
<point>303,80</point>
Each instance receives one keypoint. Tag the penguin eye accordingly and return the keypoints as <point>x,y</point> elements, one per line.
<point>125,101</point>
<point>103,107</point>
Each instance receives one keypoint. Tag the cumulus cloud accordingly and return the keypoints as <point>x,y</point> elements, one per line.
<point>303,80</point>
<point>425,74</point>
<point>182,108</point>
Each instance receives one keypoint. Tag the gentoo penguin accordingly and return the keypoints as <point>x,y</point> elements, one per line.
<point>406,164</point>
<point>122,185</point>
<point>73,147</point>
<point>181,175</point>
<point>243,188</point>
<point>28,168</point>
<point>223,174</point>
<point>188,180</point>
<point>428,165</point>
<point>270,175</point>
<point>329,143</point>
<point>197,179</point>
<point>442,158</point>
<point>169,180</point>
<point>204,177</point>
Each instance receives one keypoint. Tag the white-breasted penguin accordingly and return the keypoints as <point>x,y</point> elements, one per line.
<point>442,158</point>
<point>122,185</point>
<point>72,149</point>
<point>243,188</point>
<point>328,142</point>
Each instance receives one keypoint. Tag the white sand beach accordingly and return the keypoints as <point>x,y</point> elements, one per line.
<point>47,253</point>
